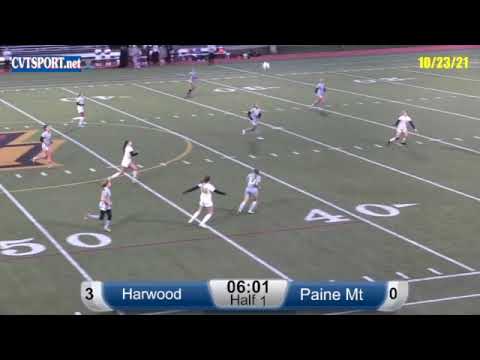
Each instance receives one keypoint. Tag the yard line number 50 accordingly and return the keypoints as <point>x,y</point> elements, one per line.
<point>27,247</point>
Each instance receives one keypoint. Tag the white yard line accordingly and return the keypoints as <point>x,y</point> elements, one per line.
<point>379,227</point>
<point>150,190</point>
<point>442,299</point>
<point>46,233</point>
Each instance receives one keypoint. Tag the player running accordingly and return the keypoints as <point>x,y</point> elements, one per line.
<point>193,83</point>
<point>401,131</point>
<point>127,162</point>
<point>206,190</point>
<point>46,140</point>
<point>254,115</point>
<point>105,207</point>
<point>320,91</point>
<point>251,191</point>
<point>81,110</point>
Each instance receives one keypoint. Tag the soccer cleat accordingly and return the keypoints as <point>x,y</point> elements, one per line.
<point>251,212</point>
<point>107,229</point>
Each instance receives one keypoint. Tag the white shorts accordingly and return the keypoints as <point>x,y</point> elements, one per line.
<point>126,164</point>
<point>402,130</point>
<point>206,203</point>
<point>80,109</point>
<point>45,147</point>
<point>320,96</point>
<point>252,191</point>
<point>103,207</point>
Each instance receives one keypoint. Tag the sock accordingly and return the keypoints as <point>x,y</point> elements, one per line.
<point>135,173</point>
<point>206,218</point>
<point>93,216</point>
<point>115,175</point>
<point>253,206</point>
<point>242,205</point>
<point>194,216</point>
<point>107,223</point>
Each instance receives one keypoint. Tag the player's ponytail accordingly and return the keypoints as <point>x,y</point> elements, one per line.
<point>125,144</point>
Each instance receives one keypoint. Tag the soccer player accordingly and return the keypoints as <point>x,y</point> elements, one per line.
<point>401,131</point>
<point>251,191</point>
<point>105,206</point>
<point>127,162</point>
<point>206,191</point>
<point>254,114</point>
<point>192,81</point>
<point>81,109</point>
<point>320,91</point>
<point>46,140</point>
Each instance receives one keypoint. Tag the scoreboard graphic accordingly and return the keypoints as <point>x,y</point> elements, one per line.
<point>244,295</point>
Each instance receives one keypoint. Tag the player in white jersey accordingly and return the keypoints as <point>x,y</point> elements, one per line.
<point>206,201</point>
<point>320,91</point>
<point>127,161</point>
<point>105,206</point>
<point>46,140</point>
<point>81,110</point>
<point>192,80</point>
<point>254,115</point>
<point>401,131</point>
<point>251,191</point>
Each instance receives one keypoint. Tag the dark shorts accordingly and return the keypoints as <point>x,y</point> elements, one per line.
<point>106,212</point>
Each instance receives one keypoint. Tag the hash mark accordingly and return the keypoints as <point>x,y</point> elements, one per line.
<point>43,174</point>
<point>358,147</point>
<point>402,275</point>
<point>186,162</point>
<point>436,272</point>
<point>252,156</point>
<point>368,278</point>
<point>18,176</point>
<point>92,170</point>
<point>68,172</point>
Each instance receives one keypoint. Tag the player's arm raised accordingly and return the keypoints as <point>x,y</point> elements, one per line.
<point>196,187</point>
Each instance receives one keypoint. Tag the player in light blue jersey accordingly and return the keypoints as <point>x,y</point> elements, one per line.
<point>251,191</point>
<point>192,81</point>
<point>320,91</point>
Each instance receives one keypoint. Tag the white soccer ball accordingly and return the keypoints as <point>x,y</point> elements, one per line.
<point>266,66</point>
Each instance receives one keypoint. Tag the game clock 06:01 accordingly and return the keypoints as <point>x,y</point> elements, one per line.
<point>248,293</point>
<point>247,286</point>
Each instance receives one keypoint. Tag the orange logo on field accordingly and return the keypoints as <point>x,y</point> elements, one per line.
<point>16,152</point>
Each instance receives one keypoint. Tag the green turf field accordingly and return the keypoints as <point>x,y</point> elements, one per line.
<point>401,212</point>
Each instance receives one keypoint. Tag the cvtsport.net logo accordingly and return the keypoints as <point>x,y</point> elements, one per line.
<point>46,64</point>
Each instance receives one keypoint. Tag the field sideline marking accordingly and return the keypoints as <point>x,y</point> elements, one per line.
<point>458,192</point>
<point>45,232</point>
<point>147,188</point>
<point>356,117</point>
<point>404,238</point>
